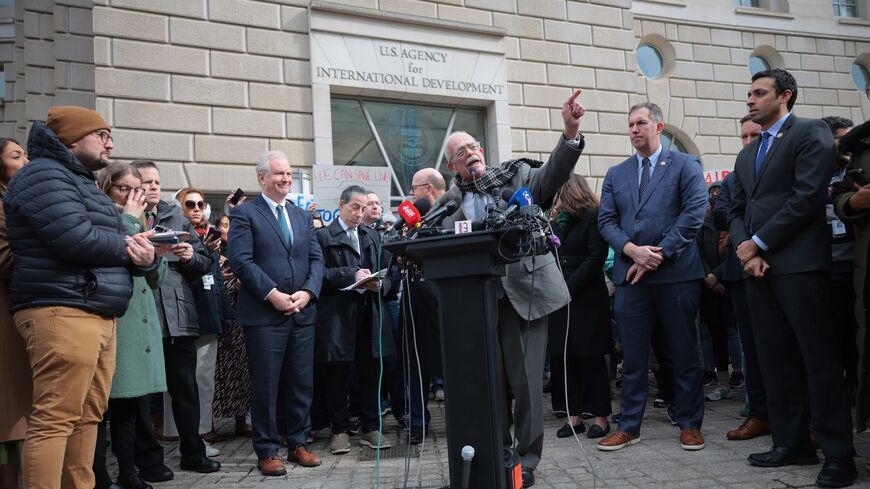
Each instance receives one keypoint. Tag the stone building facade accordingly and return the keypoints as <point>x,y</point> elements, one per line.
<point>204,86</point>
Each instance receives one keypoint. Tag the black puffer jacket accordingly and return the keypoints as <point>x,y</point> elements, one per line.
<point>66,236</point>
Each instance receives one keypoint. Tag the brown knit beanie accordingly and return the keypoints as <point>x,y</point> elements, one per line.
<point>72,123</point>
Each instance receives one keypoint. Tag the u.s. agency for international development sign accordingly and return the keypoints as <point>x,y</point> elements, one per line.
<point>396,66</point>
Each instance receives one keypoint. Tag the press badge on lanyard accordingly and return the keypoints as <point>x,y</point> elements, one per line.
<point>207,281</point>
<point>838,228</point>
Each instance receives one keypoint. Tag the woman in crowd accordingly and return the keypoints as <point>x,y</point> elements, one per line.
<point>15,375</point>
<point>232,398</point>
<point>582,255</point>
<point>139,370</point>
<point>212,307</point>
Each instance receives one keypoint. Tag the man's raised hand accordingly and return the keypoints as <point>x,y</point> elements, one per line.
<point>572,114</point>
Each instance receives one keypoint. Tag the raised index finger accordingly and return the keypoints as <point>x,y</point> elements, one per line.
<point>575,95</point>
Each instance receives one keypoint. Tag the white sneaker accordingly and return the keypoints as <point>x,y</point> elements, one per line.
<point>210,451</point>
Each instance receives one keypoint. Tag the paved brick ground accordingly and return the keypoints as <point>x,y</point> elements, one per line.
<point>656,462</point>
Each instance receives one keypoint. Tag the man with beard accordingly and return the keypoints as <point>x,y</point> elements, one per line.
<point>71,280</point>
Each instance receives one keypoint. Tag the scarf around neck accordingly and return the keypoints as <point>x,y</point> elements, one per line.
<point>495,177</point>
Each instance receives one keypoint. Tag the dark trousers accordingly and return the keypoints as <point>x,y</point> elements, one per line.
<point>674,306</point>
<point>715,311</point>
<point>756,394</point>
<point>843,310</point>
<point>280,359</point>
<point>792,323</point>
<point>132,436</point>
<point>664,374</point>
<point>180,359</point>
<point>588,384</point>
<point>332,384</point>
<point>133,441</point>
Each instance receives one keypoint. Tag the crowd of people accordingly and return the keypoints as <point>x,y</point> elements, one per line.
<point>130,318</point>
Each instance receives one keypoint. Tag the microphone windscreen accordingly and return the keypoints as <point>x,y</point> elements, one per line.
<point>423,205</point>
<point>507,194</point>
<point>410,214</point>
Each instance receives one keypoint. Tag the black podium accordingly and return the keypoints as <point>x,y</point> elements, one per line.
<point>465,268</point>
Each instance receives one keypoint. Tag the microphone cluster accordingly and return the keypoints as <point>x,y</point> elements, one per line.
<point>530,230</point>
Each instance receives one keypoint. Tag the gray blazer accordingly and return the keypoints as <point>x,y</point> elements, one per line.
<point>175,302</point>
<point>534,285</point>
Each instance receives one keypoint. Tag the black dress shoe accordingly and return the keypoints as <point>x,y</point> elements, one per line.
<point>416,437</point>
<point>781,456</point>
<point>204,465</point>
<point>160,473</point>
<point>528,477</point>
<point>133,481</point>
<point>565,431</point>
<point>596,431</point>
<point>837,472</point>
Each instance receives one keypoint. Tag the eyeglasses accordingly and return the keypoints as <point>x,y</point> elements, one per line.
<point>104,136</point>
<point>192,204</point>
<point>464,150</point>
<point>124,189</point>
<point>414,187</point>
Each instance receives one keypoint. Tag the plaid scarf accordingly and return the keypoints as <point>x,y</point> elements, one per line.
<point>495,177</point>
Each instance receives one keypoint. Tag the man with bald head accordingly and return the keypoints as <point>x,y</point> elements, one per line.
<point>532,287</point>
<point>427,183</point>
<point>421,298</point>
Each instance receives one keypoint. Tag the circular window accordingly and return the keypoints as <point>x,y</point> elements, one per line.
<point>757,63</point>
<point>670,141</point>
<point>650,61</point>
<point>860,76</point>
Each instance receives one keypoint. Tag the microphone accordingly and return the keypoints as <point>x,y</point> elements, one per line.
<point>467,456</point>
<point>521,198</point>
<point>409,216</point>
<point>436,217</point>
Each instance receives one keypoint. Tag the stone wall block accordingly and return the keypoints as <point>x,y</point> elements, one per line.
<point>246,67</point>
<point>248,123</point>
<point>156,57</point>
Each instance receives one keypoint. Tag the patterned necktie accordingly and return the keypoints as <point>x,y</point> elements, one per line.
<point>149,219</point>
<point>354,239</point>
<point>644,176</point>
<point>762,151</point>
<point>282,225</point>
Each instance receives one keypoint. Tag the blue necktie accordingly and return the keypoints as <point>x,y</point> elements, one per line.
<point>644,176</point>
<point>762,150</point>
<point>282,225</point>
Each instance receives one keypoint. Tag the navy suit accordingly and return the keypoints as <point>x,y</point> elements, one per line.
<point>668,215</point>
<point>280,347</point>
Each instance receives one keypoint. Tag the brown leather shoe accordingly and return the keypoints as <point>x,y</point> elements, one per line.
<point>212,437</point>
<point>691,439</point>
<point>751,428</point>
<point>271,466</point>
<point>617,440</point>
<point>303,456</point>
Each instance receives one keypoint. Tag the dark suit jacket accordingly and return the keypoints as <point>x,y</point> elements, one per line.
<point>340,313</point>
<point>785,203</point>
<point>261,260</point>
<point>669,216</point>
<point>732,271</point>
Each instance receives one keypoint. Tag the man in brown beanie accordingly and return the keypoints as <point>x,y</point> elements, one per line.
<point>72,278</point>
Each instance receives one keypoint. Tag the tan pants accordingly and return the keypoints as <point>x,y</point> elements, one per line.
<point>72,354</point>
